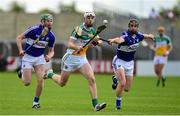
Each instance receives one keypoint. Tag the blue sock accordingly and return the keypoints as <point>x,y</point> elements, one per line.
<point>118,102</point>
<point>36,99</point>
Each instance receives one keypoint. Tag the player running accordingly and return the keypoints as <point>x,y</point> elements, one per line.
<point>162,47</point>
<point>123,61</point>
<point>75,58</point>
<point>34,56</point>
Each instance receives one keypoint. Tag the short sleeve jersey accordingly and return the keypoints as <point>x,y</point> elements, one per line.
<point>31,34</point>
<point>161,44</point>
<point>81,39</point>
<point>127,49</point>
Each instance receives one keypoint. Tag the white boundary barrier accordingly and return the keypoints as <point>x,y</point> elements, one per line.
<point>142,67</point>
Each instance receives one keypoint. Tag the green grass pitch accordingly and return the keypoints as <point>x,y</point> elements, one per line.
<point>74,99</point>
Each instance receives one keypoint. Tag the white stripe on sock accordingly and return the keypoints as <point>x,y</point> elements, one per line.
<point>119,98</point>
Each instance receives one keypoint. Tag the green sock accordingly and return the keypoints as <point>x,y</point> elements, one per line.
<point>50,75</point>
<point>94,102</point>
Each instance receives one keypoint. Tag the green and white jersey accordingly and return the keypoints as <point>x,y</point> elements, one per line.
<point>161,44</point>
<point>81,40</point>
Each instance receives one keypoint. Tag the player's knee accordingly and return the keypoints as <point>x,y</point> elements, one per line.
<point>157,72</point>
<point>123,84</point>
<point>92,81</point>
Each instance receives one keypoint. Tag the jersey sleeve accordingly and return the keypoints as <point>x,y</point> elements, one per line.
<point>124,36</point>
<point>169,42</point>
<point>29,32</point>
<point>74,34</point>
<point>140,36</point>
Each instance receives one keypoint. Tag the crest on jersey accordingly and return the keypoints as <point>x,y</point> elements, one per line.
<point>47,38</point>
<point>134,36</point>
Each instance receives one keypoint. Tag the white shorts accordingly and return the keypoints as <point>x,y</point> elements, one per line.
<point>160,60</point>
<point>71,62</point>
<point>128,67</point>
<point>28,62</point>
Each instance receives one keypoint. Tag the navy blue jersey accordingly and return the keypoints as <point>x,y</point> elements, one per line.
<point>32,34</point>
<point>127,49</point>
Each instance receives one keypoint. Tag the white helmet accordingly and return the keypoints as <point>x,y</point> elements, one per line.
<point>89,14</point>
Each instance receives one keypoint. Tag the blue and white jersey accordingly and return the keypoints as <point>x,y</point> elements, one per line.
<point>127,49</point>
<point>31,34</point>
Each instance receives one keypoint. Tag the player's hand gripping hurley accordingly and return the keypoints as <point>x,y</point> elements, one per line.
<point>99,29</point>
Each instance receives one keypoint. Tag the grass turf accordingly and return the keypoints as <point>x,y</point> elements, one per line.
<point>74,99</point>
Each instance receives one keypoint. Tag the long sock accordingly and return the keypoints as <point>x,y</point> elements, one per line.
<point>94,102</point>
<point>118,102</point>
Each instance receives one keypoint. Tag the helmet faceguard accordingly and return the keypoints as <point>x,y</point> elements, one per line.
<point>89,18</point>
<point>47,20</point>
<point>89,14</point>
<point>46,17</point>
<point>133,22</point>
<point>133,26</point>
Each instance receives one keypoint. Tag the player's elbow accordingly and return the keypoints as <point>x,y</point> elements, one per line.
<point>19,37</point>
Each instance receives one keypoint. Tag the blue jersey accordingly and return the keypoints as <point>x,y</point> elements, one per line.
<point>127,49</point>
<point>32,34</point>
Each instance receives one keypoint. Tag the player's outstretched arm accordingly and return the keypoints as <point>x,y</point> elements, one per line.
<point>116,40</point>
<point>148,36</point>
